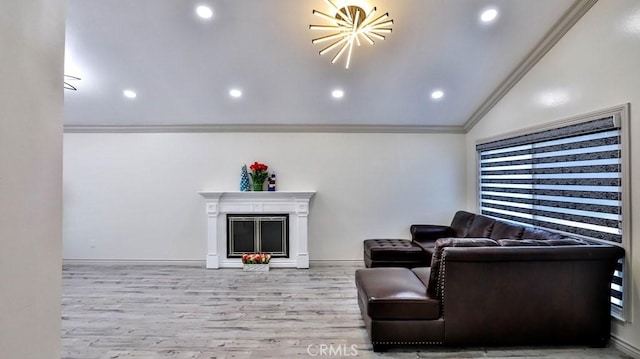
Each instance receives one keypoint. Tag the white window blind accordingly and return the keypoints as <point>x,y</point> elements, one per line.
<point>567,179</point>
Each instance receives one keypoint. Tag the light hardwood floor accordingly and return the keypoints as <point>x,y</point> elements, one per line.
<point>119,311</point>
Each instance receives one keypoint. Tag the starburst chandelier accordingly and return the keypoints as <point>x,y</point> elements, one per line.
<point>350,25</point>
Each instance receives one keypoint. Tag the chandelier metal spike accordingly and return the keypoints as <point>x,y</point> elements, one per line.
<point>349,24</point>
<point>67,85</point>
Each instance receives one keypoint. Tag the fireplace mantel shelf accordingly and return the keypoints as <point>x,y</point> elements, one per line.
<point>266,195</point>
<point>221,203</point>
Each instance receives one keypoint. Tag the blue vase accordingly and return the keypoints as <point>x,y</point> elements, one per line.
<point>244,179</point>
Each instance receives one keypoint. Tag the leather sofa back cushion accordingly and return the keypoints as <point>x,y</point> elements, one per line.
<point>461,222</point>
<point>481,227</point>
<point>541,242</point>
<point>503,230</point>
<point>433,289</point>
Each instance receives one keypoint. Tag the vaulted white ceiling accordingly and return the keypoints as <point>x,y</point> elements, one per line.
<point>182,67</point>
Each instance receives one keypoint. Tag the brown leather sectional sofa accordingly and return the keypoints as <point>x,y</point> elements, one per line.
<point>481,281</point>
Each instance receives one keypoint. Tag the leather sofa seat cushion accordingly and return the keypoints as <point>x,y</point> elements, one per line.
<point>502,230</point>
<point>460,223</point>
<point>481,227</point>
<point>522,242</point>
<point>537,233</point>
<point>395,294</point>
<point>393,249</point>
<point>566,242</point>
<point>423,273</point>
<point>433,288</point>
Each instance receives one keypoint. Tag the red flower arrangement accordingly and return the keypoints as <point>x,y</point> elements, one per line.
<point>256,258</point>
<point>258,174</point>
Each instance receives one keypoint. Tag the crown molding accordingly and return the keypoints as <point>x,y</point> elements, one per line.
<point>262,128</point>
<point>559,29</point>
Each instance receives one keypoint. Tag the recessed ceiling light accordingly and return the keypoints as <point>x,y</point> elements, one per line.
<point>129,94</point>
<point>489,15</point>
<point>204,12</point>
<point>337,93</point>
<point>437,94</point>
<point>235,93</point>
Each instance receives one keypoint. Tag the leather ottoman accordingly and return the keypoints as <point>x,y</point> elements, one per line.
<point>395,253</point>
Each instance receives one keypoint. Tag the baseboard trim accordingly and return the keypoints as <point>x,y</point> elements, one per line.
<point>335,263</point>
<point>625,347</point>
<point>315,263</point>
<point>133,262</point>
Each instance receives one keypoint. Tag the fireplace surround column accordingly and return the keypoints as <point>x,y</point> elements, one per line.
<point>219,204</point>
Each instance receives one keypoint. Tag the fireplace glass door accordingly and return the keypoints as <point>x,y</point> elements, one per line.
<point>258,234</point>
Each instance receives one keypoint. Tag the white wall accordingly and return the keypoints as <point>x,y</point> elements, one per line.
<point>595,66</point>
<point>134,196</point>
<point>31,114</point>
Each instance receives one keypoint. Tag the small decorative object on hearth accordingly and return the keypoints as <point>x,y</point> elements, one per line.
<point>244,179</point>
<point>271,182</point>
<point>256,261</point>
<point>258,175</point>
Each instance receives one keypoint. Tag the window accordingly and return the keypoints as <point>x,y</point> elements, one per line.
<point>568,179</point>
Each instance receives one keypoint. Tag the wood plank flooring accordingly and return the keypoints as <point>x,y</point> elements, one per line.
<point>117,311</point>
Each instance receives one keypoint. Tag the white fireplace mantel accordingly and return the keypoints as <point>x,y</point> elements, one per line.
<point>219,204</point>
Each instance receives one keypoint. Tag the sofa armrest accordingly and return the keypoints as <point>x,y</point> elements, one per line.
<point>429,232</point>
